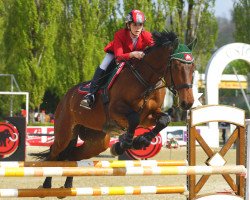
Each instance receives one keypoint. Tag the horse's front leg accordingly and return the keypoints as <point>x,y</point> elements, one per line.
<point>126,140</point>
<point>145,139</point>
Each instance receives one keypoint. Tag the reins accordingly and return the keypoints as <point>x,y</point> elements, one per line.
<point>149,88</point>
<point>138,75</point>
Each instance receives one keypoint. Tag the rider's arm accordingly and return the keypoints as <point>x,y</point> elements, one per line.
<point>136,54</point>
<point>119,45</point>
<point>119,50</point>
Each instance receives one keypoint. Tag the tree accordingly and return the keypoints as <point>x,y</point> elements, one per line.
<point>241,18</point>
<point>3,13</point>
<point>52,45</point>
<point>197,22</point>
<point>226,30</point>
<point>80,41</point>
<point>30,33</point>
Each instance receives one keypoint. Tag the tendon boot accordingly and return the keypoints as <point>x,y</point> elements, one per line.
<point>89,99</point>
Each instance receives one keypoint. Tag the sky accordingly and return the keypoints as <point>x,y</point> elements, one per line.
<point>223,8</point>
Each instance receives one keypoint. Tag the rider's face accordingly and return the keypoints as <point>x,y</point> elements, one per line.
<point>136,28</point>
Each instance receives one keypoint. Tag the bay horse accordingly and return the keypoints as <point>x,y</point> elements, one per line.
<point>135,99</point>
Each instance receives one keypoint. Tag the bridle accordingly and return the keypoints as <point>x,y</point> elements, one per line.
<point>150,88</point>
<point>173,87</point>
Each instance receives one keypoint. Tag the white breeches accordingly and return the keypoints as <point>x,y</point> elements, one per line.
<point>106,61</point>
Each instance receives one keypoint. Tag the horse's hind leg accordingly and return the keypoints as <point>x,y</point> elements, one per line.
<point>62,156</point>
<point>95,142</point>
<point>64,141</point>
<point>65,154</point>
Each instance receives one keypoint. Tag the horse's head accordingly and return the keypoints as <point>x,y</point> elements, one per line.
<point>177,65</point>
<point>172,61</point>
<point>179,76</point>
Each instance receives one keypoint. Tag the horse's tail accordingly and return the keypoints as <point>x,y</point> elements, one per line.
<point>42,156</point>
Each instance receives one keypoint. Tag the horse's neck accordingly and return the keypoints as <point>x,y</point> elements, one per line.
<point>153,67</point>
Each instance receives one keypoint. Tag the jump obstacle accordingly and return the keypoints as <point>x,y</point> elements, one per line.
<point>215,114</point>
<point>90,191</point>
<point>119,171</point>
<point>215,164</point>
<point>90,163</point>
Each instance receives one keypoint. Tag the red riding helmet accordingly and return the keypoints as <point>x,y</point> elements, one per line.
<point>136,16</point>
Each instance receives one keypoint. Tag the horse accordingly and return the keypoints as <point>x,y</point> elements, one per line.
<point>135,99</point>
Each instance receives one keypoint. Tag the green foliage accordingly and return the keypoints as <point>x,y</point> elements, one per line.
<point>28,40</point>
<point>241,66</point>
<point>225,33</point>
<point>81,37</point>
<point>241,17</point>
<point>52,45</point>
<point>3,13</point>
<point>207,36</point>
<point>180,123</point>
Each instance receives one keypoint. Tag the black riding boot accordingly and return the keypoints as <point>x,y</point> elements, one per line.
<point>89,99</point>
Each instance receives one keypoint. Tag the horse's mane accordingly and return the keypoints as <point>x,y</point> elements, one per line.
<point>164,38</point>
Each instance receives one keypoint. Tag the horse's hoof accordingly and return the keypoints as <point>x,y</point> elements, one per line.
<point>116,149</point>
<point>61,197</point>
<point>141,142</point>
<point>126,142</point>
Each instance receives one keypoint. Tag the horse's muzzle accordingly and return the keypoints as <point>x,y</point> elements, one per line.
<point>185,105</point>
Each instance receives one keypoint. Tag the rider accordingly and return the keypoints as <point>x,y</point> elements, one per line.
<point>128,43</point>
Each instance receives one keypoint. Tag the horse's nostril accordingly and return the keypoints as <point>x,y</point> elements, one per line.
<point>185,105</point>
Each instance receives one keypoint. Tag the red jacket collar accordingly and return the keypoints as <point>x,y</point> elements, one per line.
<point>130,41</point>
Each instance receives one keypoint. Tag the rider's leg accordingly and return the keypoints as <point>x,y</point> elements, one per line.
<point>89,99</point>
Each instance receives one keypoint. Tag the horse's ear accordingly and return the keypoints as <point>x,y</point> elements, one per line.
<point>192,45</point>
<point>156,34</point>
<point>176,43</point>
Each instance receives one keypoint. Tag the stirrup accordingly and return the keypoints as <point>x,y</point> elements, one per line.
<point>88,101</point>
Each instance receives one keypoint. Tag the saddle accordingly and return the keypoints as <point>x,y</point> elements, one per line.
<point>109,78</point>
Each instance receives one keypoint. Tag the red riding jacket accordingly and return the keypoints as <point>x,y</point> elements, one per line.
<point>122,44</point>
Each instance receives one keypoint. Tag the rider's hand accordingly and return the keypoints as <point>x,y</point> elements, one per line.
<point>137,54</point>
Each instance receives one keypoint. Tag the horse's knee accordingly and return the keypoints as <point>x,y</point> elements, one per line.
<point>126,140</point>
<point>133,120</point>
<point>163,121</point>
